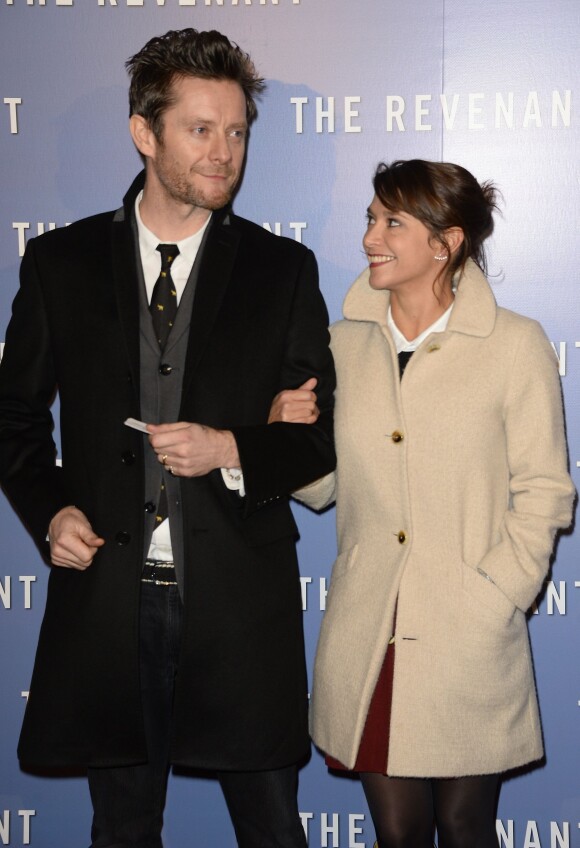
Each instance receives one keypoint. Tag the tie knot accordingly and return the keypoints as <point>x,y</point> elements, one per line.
<point>168,253</point>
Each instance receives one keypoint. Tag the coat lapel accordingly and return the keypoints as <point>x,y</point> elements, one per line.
<point>214,273</point>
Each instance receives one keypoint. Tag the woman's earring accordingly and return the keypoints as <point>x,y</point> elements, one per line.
<point>441,257</point>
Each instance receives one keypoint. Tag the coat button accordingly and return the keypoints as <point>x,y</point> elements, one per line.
<point>165,369</point>
<point>150,506</point>
<point>128,458</point>
<point>397,437</point>
<point>123,538</point>
<point>402,537</point>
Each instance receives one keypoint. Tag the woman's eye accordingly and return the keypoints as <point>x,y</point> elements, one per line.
<point>392,222</point>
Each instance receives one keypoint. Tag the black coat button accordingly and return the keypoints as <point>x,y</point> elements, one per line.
<point>165,369</point>
<point>128,458</point>
<point>150,506</point>
<point>123,538</point>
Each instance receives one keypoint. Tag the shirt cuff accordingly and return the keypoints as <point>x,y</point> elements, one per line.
<point>234,480</point>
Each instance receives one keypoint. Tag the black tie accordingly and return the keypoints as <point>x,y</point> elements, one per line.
<point>163,305</point>
<point>163,310</point>
<point>404,358</point>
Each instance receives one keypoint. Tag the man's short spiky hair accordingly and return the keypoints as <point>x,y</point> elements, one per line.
<point>187,53</point>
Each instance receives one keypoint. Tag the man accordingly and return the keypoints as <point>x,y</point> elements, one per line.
<point>172,631</point>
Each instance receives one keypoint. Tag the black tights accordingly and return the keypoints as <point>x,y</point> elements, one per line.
<point>405,811</point>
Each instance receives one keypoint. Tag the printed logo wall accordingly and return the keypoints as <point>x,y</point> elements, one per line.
<point>492,87</point>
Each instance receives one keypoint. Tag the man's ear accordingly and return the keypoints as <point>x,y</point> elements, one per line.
<point>142,135</point>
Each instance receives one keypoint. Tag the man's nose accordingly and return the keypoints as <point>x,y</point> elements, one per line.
<point>220,150</point>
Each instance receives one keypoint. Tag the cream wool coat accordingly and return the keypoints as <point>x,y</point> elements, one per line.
<point>450,487</point>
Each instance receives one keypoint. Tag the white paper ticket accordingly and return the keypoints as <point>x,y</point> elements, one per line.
<point>136,425</point>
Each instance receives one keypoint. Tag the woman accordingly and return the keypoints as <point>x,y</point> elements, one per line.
<point>451,483</point>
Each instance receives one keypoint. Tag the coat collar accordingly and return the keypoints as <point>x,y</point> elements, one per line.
<point>473,313</point>
<point>126,276</point>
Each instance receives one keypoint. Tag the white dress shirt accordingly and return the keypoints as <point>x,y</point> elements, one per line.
<point>403,344</point>
<point>151,258</point>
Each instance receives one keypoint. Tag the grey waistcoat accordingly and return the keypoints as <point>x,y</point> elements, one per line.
<point>161,401</point>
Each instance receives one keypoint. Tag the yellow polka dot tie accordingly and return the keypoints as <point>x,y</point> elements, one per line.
<point>163,306</point>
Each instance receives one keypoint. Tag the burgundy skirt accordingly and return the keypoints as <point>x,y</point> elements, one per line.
<point>373,751</point>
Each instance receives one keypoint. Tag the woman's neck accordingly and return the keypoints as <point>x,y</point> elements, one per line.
<point>414,312</point>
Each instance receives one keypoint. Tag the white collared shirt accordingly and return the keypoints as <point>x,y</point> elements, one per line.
<point>151,258</point>
<point>402,344</point>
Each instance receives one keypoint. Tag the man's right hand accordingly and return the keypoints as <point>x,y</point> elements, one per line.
<point>73,543</point>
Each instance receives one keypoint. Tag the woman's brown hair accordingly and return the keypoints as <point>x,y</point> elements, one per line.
<point>441,195</point>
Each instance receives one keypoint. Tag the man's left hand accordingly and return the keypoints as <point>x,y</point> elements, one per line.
<point>296,406</point>
<point>192,450</point>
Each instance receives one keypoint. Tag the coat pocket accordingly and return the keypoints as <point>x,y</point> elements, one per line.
<point>484,592</point>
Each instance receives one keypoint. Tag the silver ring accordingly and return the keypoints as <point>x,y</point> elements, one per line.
<point>170,468</point>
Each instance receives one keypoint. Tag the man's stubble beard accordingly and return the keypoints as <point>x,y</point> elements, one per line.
<point>180,187</point>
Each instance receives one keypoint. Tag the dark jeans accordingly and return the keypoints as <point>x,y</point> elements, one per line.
<point>128,802</point>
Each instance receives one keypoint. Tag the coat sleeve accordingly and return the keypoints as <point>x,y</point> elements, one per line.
<point>541,492</point>
<point>28,473</point>
<point>319,494</point>
<point>279,458</point>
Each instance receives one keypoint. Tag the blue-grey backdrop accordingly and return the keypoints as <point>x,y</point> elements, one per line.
<point>489,85</point>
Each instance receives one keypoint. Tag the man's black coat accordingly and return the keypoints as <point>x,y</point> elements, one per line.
<point>258,325</point>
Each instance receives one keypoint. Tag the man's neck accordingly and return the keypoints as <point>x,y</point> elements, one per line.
<point>170,220</point>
